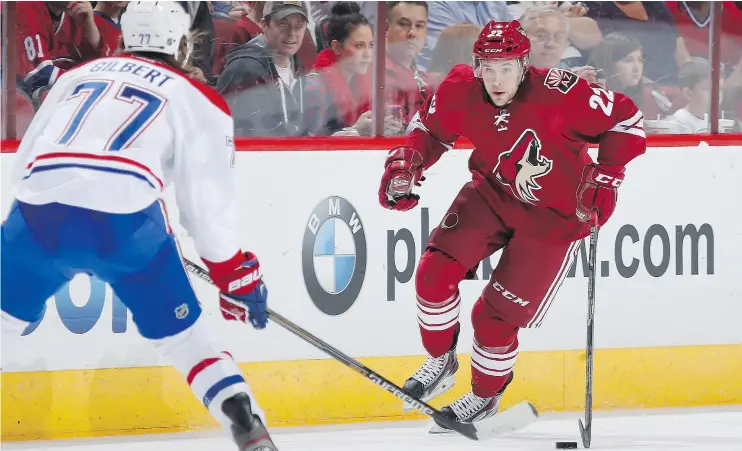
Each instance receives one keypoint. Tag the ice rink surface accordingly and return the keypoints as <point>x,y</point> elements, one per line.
<point>707,429</point>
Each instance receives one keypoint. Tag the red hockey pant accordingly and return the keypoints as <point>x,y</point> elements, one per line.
<point>518,295</point>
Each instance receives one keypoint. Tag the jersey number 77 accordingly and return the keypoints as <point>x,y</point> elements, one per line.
<point>149,105</point>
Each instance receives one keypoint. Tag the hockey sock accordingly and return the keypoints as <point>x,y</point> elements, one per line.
<point>438,323</point>
<point>494,351</point>
<point>211,372</point>
<point>438,300</point>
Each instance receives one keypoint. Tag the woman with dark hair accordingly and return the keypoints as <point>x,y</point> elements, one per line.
<point>621,58</point>
<point>338,90</point>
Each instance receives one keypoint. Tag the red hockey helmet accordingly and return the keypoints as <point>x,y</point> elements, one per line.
<point>501,40</point>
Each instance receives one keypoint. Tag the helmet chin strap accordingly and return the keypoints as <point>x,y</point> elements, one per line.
<point>524,65</point>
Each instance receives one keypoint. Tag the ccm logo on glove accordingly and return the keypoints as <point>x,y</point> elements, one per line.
<point>605,179</point>
<point>598,191</point>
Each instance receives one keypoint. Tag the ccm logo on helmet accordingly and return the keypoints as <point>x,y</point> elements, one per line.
<point>606,179</point>
<point>492,50</point>
<point>252,277</point>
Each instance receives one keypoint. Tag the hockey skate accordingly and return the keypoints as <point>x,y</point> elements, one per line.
<point>248,431</point>
<point>470,408</point>
<point>435,377</point>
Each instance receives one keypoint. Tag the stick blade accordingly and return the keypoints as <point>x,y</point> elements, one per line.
<point>513,419</point>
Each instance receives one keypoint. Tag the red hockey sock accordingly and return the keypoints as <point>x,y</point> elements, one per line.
<point>494,351</point>
<point>438,300</point>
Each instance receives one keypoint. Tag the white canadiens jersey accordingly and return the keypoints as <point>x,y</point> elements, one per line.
<point>115,132</point>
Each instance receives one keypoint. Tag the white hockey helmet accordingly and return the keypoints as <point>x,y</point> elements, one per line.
<point>156,27</point>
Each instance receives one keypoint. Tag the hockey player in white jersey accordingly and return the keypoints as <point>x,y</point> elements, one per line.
<point>89,176</point>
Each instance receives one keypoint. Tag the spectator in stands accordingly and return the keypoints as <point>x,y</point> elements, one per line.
<point>442,14</point>
<point>621,58</point>
<point>652,25</point>
<point>553,30</point>
<point>321,11</point>
<point>247,28</point>
<point>261,80</point>
<point>107,19</point>
<point>406,86</point>
<point>694,81</point>
<point>52,37</point>
<point>338,90</point>
<point>692,20</point>
<point>454,47</point>
<point>548,30</point>
<point>235,10</point>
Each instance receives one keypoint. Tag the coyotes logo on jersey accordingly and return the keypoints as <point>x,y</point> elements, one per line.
<point>519,167</point>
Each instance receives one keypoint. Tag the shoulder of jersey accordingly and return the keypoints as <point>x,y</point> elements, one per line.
<point>462,80</point>
<point>461,73</point>
<point>211,95</point>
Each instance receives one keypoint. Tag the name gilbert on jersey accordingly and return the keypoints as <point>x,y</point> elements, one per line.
<point>141,69</point>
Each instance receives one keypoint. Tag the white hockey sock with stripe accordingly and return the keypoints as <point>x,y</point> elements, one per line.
<point>211,372</point>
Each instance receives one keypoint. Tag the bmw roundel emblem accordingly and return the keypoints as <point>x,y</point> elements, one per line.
<point>334,255</point>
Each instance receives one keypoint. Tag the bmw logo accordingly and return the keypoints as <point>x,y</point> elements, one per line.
<point>334,255</point>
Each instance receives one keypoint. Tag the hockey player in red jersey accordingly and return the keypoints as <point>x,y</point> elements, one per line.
<point>533,191</point>
<point>52,37</point>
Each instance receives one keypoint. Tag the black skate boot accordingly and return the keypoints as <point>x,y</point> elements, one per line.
<point>471,408</point>
<point>435,377</point>
<point>247,429</point>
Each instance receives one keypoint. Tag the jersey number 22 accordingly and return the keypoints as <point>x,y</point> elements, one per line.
<point>149,106</point>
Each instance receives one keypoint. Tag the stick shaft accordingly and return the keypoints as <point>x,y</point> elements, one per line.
<point>466,430</point>
<point>586,431</point>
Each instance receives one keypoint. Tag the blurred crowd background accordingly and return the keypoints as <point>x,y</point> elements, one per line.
<point>306,68</point>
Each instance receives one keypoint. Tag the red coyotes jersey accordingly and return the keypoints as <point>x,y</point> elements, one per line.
<point>534,150</point>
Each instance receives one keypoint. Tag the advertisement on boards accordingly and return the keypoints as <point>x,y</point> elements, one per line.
<point>341,266</point>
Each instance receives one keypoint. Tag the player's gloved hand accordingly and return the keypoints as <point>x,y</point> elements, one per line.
<point>241,278</point>
<point>598,191</point>
<point>402,171</point>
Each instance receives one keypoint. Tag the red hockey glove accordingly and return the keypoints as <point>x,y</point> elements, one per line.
<point>598,191</point>
<point>240,277</point>
<point>403,170</point>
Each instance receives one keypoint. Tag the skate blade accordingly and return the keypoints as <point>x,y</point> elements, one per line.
<point>445,386</point>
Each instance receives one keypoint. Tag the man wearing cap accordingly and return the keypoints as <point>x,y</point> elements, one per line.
<point>261,80</point>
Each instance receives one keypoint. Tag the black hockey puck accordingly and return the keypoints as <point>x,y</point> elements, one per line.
<point>566,445</point>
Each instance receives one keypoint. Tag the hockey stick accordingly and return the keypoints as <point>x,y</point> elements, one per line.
<point>586,428</point>
<point>465,429</point>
